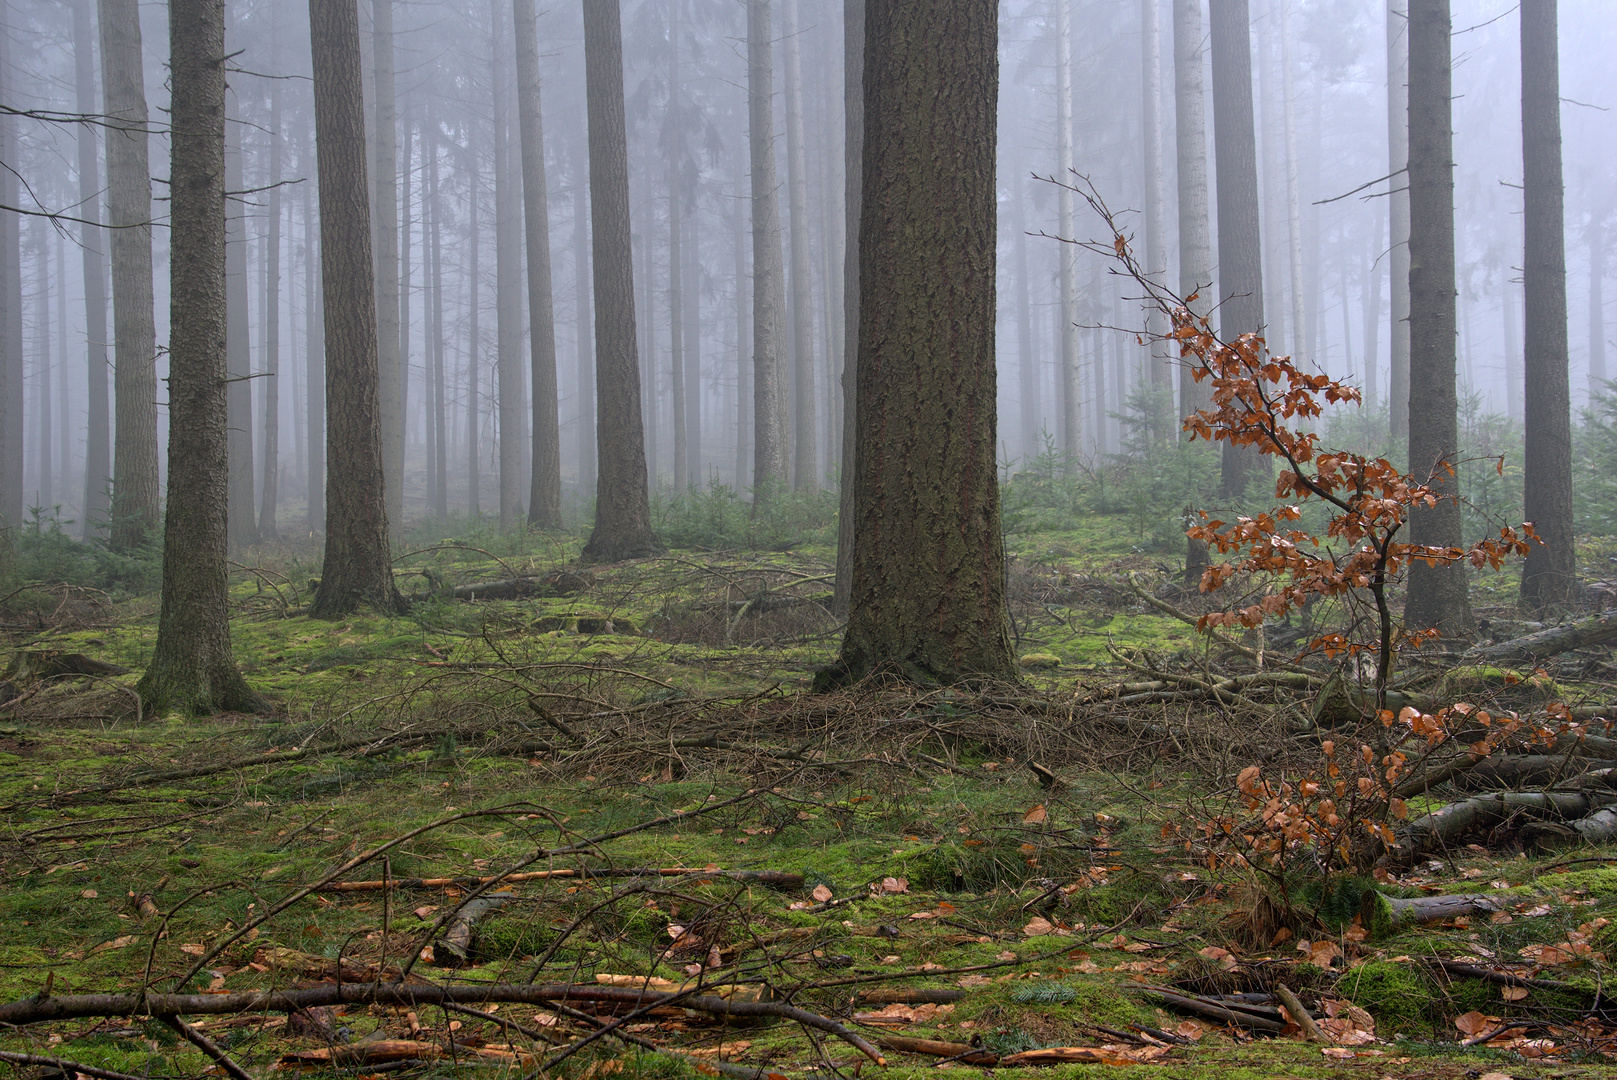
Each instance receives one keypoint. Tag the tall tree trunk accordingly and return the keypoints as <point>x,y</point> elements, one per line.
<point>406,283</point>
<point>1027,351</point>
<point>243,508</point>
<point>64,428</point>
<point>768,273</point>
<point>1398,220</point>
<point>44,494</point>
<point>1513,351</point>
<point>676,265</point>
<point>1437,594</point>
<point>1240,247</point>
<point>926,478</point>
<point>193,669</point>
<point>474,333</point>
<point>439,465</point>
<point>11,361</point>
<point>507,301</point>
<point>1372,314</point>
<point>584,332</point>
<point>1597,304</point>
<point>97,447</point>
<point>693,346</point>
<point>744,352</point>
<point>622,502</point>
<point>1195,231</point>
<point>1156,202</point>
<point>1071,384</point>
<point>385,215</point>
<point>1271,193</point>
<point>271,489</point>
<point>358,558</point>
<point>315,353</point>
<point>544,496</point>
<point>853,103</point>
<point>1302,344</point>
<point>805,448</point>
<point>1550,572</point>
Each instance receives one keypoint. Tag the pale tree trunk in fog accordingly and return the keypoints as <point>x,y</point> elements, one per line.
<point>622,500</point>
<point>1161,375</point>
<point>853,103</point>
<point>1372,313</point>
<point>243,507</point>
<point>676,258</point>
<point>1071,385</point>
<point>1513,351</point>
<point>1550,573</point>
<point>193,669</point>
<point>510,382</point>
<point>439,465</point>
<point>97,446</point>
<point>315,356</point>
<point>357,568</point>
<point>1271,200</point>
<point>64,432</point>
<point>406,271</point>
<point>1026,347</point>
<point>768,273</point>
<point>1437,594</point>
<point>805,447</point>
<point>385,216</point>
<point>1301,344</point>
<point>743,347</point>
<point>474,332</point>
<point>1240,259</point>
<point>11,369</point>
<point>42,497</point>
<point>1398,220</point>
<point>1195,237</point>
<point>585,333</point>
<point>544,496</point>
<point>693,351</point>
<point>271,316</point>
<point>646,348</point>
<point>1597,321</point>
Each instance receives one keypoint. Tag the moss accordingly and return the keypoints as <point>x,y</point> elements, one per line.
<point>1397,995</point>
<point>1040,661</point>
<point>1481,684</point>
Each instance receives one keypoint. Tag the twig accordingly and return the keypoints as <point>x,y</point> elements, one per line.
<point>1295,1010</point>
<point>207,1046</point>
<point>777,878</point>
<point>65,1067</point>
<point>1489,1036</point>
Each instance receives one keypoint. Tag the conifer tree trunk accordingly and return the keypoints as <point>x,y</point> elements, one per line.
<point>97,446</point>
<point>243,508</point>
<point>474,334</point>
<point>315,355</point>
<point>1398,211</point>
<point>1372,314</point>
<point>11,361</point>
<point>271,487</point>
<point>1070,382</point>
<point>439,465</point>
<point>744,364</point>
<point>853,103</point>
<point>1550,572</point>
<point>768,273</point>
<point>1597,305</point>
<point>676,278</point>
<point>510,383</point>
<point>926,479</point>
<point>622,501</point>
<point>1302,344</point>
<point>584,331</point>
<point>1026,347</point>
<point>1437,594</point>
<point>193,669</point>
<point>42,369</point>
<point>357,568</point>
<point>544,496</point>
<point>805,447</point>
<point>1161,375</point>
<point>1195,229</point>
<point>406,282</point>
<point>385,215</point>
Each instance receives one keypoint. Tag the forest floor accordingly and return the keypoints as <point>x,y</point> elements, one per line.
<point>885,860</point>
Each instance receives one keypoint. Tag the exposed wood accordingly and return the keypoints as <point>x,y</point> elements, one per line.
<point>454,948</point>
<point>1380,910</point>
<point>1450,823</point>
<point>971,1055</point>
<point>1295,1010</point>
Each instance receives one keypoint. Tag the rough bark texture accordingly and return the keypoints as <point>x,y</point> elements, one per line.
<point>358,560</point>
<point>928,598</point>
<point>1071,388</point>
<point>853,98</point>
<point>129,206</point>
<point>314,355</point>
<point>1398,213</point>
<point>192,669</point>
<point>805,446</point>
<point>544,494</point>
<point>1235,150</point>
<point>11,364</point>
<point>1437,597</point>
<point>97,444</point>
<point>1550,571</point>
<point>1195,230</point>
<point>243,508</point>
<point>768,273</point>
<point>385,215</point>
<point>622,501</point>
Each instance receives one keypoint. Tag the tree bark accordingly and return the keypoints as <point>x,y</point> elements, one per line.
<point>11,362</point>
<point>853,99</point>
<point>1550,571</point>
<point>674,142</point>
<point>1195,239</point>
<point>193,669</point>
<point>768,273</point>
<point>1371,304</point>
<point>744,350</point>
<point>97,445</point>
<point>1161,375</point>
<point>622,501</point>
<point>1513,352</point>
<point>926,479</point>
<point>358,559</point>
<point>1398,220</point>
<point>805,445</point>
<point>314,355</point>
<point>1067,254</point>
<point>1240,250</point>
<point>271,315</point>
<point>474,331</point>
<point>385,214</point>
<point>439,465</point>
<point>1437,594</point>
<point>544,495</point>
<point>509,377</point>
<point>42,369</point>
<point>584,331</point>
<point>1597,305</point>
<point>243,507</point>
<point>1302,345</point>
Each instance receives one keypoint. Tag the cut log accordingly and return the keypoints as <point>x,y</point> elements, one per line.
<point>971,1055</point>
<point>454,949</point>
<point>1383,915</point>
<point>1599,827</point>
<point>1550,642</point>
<point>1447,825</point>
<point>1517,771</point>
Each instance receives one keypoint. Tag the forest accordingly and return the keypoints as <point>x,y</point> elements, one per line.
<point>793,539</point>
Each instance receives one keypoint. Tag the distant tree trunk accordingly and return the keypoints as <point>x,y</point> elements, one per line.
<point>1195,238</point>
<point>243,508</point>
<point>406,284</point>
<point>1550,573</point>
<point>584,331</point>
<point>1372,314</point>
<point>768,273</point>
<point>42,369</point>
<point>315,362</point>
<point>64,433</point>
<point>1398,221</point>
<point>1513,350</point>
<point>544,496</point>
<point>97,446</point>
<point>358,559</point>
<point>1027,348</point>
<point>1437,594</point>
<point>1240,248</point>
<point>474,334</point>
<point>1597,305</point>
<point>693,346</point>
<point>11,361</point>
<point>439,465</point>
<point>1156,202</point>
<point>676,275</point>
<point>743,349</point>
<point>805,448</point>
<point>622,501</point>
<point>853,102</point>
<point>1271,195</point>
<point>385,215</point>
<point>926,478</point>
<point>1066,223</point>
<point>193,669</point>
<point>510,399</point>
<point>271,492</point>
<point>1302,344</point>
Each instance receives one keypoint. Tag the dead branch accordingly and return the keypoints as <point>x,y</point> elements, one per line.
<point>1420,836</point>
<point>1295,1010</point>
<point>1595,630</point>
<point>1212,1010</point>
<point>207,1046</point>
<point>775,878</point>
<point>64,1067</point>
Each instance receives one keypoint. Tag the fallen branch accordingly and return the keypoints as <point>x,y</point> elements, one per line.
<point>207,1046</point>
<point>1551,642</point>
<point>1416,838</point>
<point>1300,1015</point>
<point>1388,914</point>
<point>65,1067</point>
<point>971,1055</point>
<point>775,878</point>
<point>1209,1010</point>
<point>1462,970</point>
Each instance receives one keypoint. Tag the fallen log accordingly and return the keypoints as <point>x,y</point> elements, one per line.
<point>1207,1010</point>
<point>1382,914</point>
<point>454,948</point>
<point>778,879</point>
<point>1416,838</point>
<point>1515,771</point>
<point>1599,827</point>
<point>898,995</point>
<point>1552,641</point>
<point>554,584</point>
<point>1298,1014</point>
<point>965,1052</point>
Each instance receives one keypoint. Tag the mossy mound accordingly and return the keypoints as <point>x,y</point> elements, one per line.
<point>1397,995</point>
<point>1040,661</point>
<point>1482,684</point>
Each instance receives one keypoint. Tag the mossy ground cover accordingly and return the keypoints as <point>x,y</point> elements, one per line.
<point>1049,906</point>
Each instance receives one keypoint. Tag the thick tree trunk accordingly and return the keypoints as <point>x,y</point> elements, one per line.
<point>243,508</point>
<point>1240,249</point>
<point>1437,594</point>
<point>97,445</point>
<point>385,215</point>
<point>585,333</point>
<point>1195,239</point>
<point>1550,572</point>
<point>926,478</point>
<point>544,496</point>
<point>622,501</point>
<point>271,315</point>
<point>1070,380</point>
<point>315,357</point>
<point>853,103</point>
<point>192,669</point>
<point>805,447</point>
<point>358,558</point>
<point>768,273</point>
<point>1398,220</point>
